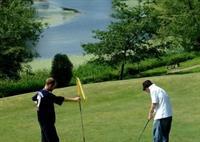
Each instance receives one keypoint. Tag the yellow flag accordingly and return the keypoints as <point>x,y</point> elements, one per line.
<point>80,91</point>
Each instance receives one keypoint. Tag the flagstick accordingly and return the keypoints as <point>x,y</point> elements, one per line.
<point>83,132</point>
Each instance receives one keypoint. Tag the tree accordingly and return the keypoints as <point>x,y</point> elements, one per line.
<point>180,23</point>
<point>19,31</point>
<point>150,29</point>
<point>128,38</point>
<point>61,70</point>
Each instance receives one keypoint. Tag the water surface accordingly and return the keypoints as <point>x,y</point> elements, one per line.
<point>67,37</point>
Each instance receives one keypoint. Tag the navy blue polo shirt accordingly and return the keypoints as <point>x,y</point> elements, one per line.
<point>46,110</point>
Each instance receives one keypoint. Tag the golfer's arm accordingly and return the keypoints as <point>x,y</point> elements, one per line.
<point>67,99</point>
<point>152,108</point>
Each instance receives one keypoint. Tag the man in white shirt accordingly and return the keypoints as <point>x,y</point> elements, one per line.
<point>161,110</point>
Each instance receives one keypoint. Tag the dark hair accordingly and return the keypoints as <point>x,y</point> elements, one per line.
<point>51,81</point>
<point>146,84</point>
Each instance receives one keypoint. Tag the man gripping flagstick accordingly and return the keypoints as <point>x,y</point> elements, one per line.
<point>81,94</point>
<point>45,101</point>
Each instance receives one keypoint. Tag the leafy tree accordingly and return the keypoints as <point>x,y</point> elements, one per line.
<point>19,31</point>
<point>128,38</point>
<point>61,70</point>
<point>180,22</point>
<point>150,29</point>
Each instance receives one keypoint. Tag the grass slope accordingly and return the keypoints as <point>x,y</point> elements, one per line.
<point>115,112</point>
<point>190,66</point>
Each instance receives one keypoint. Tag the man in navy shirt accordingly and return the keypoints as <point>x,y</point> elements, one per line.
<point>45,100</point>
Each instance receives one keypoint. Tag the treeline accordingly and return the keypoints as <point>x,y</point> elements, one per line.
<point>143,40</point>
<point>90,73</point>
<point>19,31</point>
<point>150,29</point>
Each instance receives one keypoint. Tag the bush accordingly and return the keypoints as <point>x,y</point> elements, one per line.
<point>27,83</point>
<point>61,70</point>
<point>178,58</point>
<point>148,64</point>
<point>154,72</point>
<point>91,72</point>
<point>133,69</point>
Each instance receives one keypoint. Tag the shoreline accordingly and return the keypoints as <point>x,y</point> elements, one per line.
<point>70,9</point>
<point>64,8</point>
<point>53,15</point>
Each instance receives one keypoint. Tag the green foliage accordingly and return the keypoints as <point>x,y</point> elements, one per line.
<point>27,83</point>
<point>146,30</point>
<point>193,62</point>
<point>180,22</point>
<point>61,70</point>
<point>149,29</point>
<point>177,59</point>
<point>91,72</point>
<point>154,72</point>
<point>127,39</point>
<point>155,64</point>
<point>18,34</point>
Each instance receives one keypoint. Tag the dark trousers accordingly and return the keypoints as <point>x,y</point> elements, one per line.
<point>161,129</point>
<point>48,133</point>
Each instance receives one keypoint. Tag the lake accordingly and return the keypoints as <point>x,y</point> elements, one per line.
<point>68,36</point>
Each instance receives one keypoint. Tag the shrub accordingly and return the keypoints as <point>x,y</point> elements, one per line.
<point>148,64</point>
<point>92,72</point>
<point>61,70</point>
<point>178,58</point>
<point>154,72</point>
<point>27,83</point>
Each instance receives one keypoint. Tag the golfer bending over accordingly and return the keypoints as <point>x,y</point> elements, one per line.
<point>45,100</point>
<point>161,111</point>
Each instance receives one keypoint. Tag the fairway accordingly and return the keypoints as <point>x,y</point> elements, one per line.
<point>115,111</point>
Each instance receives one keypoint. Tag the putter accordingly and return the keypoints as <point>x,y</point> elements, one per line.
<point>143,131</point>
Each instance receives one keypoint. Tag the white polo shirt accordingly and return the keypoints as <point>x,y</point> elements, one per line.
<point>160,97</point>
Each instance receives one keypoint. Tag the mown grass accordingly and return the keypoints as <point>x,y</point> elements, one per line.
<point>115,111</point>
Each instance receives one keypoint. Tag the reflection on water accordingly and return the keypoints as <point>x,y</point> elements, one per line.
<point>68,37</point>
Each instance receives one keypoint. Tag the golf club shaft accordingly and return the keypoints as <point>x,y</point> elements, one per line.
<point>143,130</point>
<point>83,132</point>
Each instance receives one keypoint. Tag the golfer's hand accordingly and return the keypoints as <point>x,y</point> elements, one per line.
<point>150,116</point>
<point>74,99</point>
<point>77,99</point>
